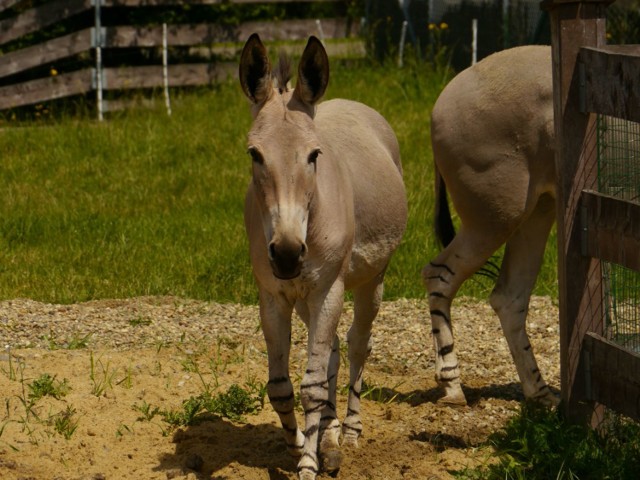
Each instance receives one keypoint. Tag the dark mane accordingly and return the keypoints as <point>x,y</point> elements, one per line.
<point>282,72</point>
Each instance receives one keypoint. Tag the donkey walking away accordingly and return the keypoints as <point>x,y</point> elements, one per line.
<point>493,144</point>
<point>324,212</point>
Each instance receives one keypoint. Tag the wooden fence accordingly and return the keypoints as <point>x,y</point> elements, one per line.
<point>591,78</point>
<point>95,40</point>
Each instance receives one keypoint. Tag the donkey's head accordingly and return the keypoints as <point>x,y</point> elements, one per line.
<point>284,146</point>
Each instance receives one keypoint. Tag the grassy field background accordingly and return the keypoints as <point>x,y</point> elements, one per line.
<point>146,204</point>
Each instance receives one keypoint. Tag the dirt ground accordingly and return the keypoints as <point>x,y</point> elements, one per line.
<point>119,357</point>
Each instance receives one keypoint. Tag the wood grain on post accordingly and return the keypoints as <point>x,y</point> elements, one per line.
<point>574,25</point>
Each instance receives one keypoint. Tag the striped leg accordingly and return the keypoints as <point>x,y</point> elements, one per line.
<point>443,277</point>
<point>276,325</point>
<point>329,425</point>
<point>314,389</point>
<point>510,298</point>
<point>366,305</point>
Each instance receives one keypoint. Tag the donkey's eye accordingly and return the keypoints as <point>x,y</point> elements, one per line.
<point>313,156</point>
<point>256,156</point>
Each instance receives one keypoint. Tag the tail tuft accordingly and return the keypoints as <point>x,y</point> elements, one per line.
<point>443,225</point>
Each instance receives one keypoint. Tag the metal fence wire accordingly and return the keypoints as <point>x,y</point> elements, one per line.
<point>619,176</point>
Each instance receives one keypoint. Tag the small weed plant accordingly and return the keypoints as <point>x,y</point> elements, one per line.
<point>540,444</point>
<point>15,368</point>
<point>101,376</point>
<point>65,423</point>
<point>233,404</point>
<point>381,394</point>
<point>47,385</point>
<point>140,321</point>
<point>76,342</point>
<point>237,402</point>
<point>147,411</point>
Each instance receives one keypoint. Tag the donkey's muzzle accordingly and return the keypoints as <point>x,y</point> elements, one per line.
<point>286,259</point>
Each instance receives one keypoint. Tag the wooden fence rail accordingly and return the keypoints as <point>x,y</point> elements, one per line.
<point>48,14</point>
<point>198,38</point>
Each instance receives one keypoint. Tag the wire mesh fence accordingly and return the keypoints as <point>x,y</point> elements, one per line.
<point>619,176</point>
<point>619,158</point>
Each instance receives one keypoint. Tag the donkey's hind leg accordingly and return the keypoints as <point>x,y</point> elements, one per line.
<point>510,299</point>
<point>442,277</point>
<point>367,299</point>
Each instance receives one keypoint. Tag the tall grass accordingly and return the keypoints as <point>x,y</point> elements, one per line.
<point>145,204</point>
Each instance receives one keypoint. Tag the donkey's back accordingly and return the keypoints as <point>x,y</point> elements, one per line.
<point>364,146</point>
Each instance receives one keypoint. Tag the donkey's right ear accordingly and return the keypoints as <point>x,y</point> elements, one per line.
<point>255,70</point>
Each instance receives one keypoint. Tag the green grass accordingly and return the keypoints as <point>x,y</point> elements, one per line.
<point>540,444</point>
<point>143,204</point>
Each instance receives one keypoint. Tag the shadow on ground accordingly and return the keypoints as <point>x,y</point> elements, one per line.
<point>214,444</point>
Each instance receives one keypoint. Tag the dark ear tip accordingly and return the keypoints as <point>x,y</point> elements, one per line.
<point>253,41</point>
<point>315,42</point>
<point>316,47</point>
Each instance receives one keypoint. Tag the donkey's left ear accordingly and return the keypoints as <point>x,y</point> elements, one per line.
<point>313,72</point>
<point>255,70</point>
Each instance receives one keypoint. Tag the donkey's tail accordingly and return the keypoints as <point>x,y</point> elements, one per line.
<point>443,225</point>
<point>445,231</point>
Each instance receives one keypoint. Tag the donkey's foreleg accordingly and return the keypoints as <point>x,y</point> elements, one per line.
<point>329,424</point>
<point>366,305</point>
<point>276,326</point>
<point>314,389</point>
<point>510,298</point>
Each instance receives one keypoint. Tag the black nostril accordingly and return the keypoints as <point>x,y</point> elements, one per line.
<point>286,258</point>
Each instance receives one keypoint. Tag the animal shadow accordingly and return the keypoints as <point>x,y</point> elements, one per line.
<point>506,391</point>
<point>208,447</point>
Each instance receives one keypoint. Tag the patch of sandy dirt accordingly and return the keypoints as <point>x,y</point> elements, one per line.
<point>144,351</point>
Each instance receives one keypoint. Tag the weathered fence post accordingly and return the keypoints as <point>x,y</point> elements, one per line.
<point>575,24</point>
<point>98,47</point>
<point>595,227</point>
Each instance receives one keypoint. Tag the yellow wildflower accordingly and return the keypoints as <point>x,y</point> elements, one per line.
<point>443,26</point>
<point>53,72</point>
<point>432,26</point>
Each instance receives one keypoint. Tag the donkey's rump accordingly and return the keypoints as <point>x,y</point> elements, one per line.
<point>491,121</point>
